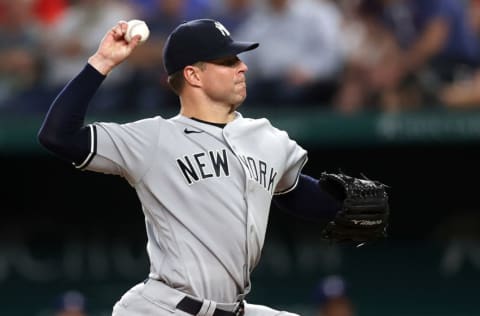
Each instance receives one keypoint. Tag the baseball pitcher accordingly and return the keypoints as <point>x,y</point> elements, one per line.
<point>205,178</point>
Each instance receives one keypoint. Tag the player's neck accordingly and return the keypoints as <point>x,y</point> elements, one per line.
<point>209,113</point>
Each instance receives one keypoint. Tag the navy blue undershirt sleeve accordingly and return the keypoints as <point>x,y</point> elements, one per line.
<point>63,131</point>
<point>308,200</point>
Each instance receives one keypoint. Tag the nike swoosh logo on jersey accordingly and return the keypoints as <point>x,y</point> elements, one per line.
<point>190,131</point>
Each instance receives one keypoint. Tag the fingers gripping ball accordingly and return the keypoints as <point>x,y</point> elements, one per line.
<point>365,209</point>
<point>137,27</point>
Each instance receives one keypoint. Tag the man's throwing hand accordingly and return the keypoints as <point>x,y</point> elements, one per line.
<point>113,49</point>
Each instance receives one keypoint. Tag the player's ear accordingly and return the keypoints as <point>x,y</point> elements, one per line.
<point>192,76</point>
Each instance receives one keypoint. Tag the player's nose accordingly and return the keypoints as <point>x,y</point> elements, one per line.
<point>242,66</point>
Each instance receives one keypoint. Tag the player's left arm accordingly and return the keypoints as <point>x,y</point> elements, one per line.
<point>308,200</point>
<point>357,210</point>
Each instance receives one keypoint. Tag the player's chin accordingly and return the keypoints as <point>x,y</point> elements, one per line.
<point>241,97</point>
<point>241,91</point>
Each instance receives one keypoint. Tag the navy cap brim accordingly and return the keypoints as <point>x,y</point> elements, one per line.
<point>232,49</point>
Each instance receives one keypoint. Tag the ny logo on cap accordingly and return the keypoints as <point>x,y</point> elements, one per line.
<point>222,29</point>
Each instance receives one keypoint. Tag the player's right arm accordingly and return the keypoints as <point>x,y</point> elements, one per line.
<point>63,131</point>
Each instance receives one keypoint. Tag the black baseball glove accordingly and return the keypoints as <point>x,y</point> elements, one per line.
<point>364,209</point>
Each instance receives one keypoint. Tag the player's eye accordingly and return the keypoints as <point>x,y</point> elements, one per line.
<point>227,62</point>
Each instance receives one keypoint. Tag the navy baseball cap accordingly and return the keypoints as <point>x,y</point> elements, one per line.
<point>200,40</point>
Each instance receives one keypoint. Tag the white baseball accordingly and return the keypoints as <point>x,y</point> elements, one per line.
<point>137,27</point>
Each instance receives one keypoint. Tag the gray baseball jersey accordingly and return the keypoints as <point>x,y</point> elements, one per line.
<point>205,193</point>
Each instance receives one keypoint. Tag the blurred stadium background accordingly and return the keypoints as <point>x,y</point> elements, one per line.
<point>385,88</point>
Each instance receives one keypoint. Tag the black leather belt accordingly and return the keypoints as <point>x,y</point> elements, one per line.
<point>192,307</point>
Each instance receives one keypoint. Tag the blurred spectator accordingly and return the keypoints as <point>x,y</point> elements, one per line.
<point>144,8</point>
<point>465,92</point>
<point>196,9</point>
<point>367,44</point>
<point>49,11</point>
<point>20,62</point>
<point>71,303</point>
<point>332,299</point>
<point>436,46</point>
<point>74,37</point>
<point>232,13</point>
<point>148,87</point>
<point>473,9</point>
<point>299,56</point>
<point>462,93</point>
<point>192,9</point>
